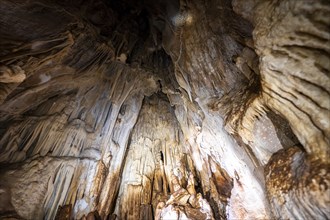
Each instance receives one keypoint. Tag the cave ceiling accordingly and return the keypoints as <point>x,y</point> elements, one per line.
<point>164,109</point>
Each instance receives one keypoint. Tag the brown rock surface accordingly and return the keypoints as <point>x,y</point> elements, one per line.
<point>164,109</point>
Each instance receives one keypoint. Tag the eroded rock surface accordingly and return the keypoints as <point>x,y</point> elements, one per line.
<point>164,109</point>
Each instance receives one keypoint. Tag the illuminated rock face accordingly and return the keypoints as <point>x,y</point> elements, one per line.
<point>164,109</point>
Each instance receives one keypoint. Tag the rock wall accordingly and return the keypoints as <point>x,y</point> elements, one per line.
<point>164,109</point>
<point>291,39</point>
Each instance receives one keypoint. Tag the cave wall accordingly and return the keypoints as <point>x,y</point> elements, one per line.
<point>271,87</point>
<point>290,39</point>
<point>102,109</point>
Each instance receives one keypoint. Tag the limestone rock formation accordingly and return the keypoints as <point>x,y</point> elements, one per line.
<point>164,109</point>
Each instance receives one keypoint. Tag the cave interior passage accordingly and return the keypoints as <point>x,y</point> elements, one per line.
<point>164,109</point>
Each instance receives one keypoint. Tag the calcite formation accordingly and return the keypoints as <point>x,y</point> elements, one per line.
<point>165,109</point>
<point>293,175</point>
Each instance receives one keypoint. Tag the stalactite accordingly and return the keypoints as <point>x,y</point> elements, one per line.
<point>164,109</point>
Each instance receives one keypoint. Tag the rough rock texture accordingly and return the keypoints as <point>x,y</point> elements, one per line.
<point>164,109</point>
<point>293,176</point>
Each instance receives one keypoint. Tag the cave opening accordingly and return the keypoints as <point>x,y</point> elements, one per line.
<point>164,109</point>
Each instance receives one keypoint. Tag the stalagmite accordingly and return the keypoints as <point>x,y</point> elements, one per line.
<point>164,109</point>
